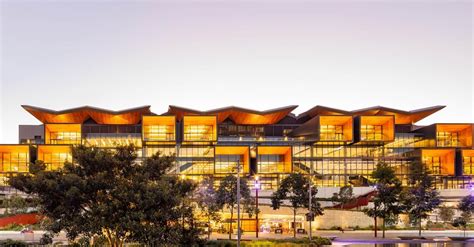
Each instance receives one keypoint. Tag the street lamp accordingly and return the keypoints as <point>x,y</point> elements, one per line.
<point>257,187</point>
<point>238,204</point>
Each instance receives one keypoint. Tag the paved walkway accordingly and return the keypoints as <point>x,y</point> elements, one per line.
<point>362,237</point>
<point>346,238</point>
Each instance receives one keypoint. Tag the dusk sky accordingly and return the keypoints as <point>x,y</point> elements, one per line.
<point>255,54</point>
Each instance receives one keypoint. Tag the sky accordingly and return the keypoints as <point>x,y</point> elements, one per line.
<point>255,54</point>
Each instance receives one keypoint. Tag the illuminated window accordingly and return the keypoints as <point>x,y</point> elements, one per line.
<point>14,162</point>
<point>271,163</point>
<point>55,161</point>
<point>199,128</point>
<point>158,128</point>
<point>196,160</point>
<point>371,132</point>
<point>228,163</point>
<point>199,133</point>
<point>168,151</point>
<point>447,139</point>
<point>62,133</point>
<point>433,164</point>
<point>468,165</point>
<point>65,138</point>
<point>332,132</point>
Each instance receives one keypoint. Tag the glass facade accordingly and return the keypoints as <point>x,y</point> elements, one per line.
<point>447,139</point>
<point>333,148</point>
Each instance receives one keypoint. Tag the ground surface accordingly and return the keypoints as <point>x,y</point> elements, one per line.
<point>342,239</point>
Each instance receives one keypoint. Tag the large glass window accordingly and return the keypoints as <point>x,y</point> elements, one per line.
<point>271,163</point>
<point>65,138</point>
<point>158,133</point>
<point>228,163</point>
<point>199,133</point>
<point>55,161</point>
<point>447,139</point>
<point>433,164</point>
<point>468,165</point>
<point>332,132</point>
<point>165,150</point>
<point>371,132</point>
<point>14,162</point>
<point>196,160</point>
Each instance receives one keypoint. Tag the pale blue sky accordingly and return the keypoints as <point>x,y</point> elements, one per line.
<point>256,54</point>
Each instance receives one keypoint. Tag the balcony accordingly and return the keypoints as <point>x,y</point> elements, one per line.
<point>454,135</point>
<point>227,158</point>
<point>159,129</point>
<point>54,156</point>
<point>199,129</point>
<point>274,159</point>
<point>376,128</point>
<point>439,161</point>
<point>335,128</point>
<point>467,161</point>
<point>62,134</point>
<point>14,158</point>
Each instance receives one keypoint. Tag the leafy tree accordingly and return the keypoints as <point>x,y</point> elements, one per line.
<point>446,214</point>
<point>295,189</point>
<point>227,196</point>
<point>466,206</point>
<point>110,193</point>
<point>421,198</point>
<point>386,201</point>
<point>344,196</point>
<point>206,198</point>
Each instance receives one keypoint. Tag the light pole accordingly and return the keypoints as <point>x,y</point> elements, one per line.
<point>257,187</point>
<point>310,202</point>
<point>310,213</point>
<point>238,204</point>
<point>375,213</point>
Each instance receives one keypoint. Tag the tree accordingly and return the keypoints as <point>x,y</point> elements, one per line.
<point>295,188</point>
<point>227,196</point>
<point>466,206</point>
<point>112,194</point>
<point>386,201</point>
<point>206,198</point>
<point>421,198</point>
<point>446,214</point>
<point>344,196</point>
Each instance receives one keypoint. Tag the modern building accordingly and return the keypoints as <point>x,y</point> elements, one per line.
<point>337,147</point>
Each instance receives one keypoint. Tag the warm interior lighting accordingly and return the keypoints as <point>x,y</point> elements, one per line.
<point>200,128</point>
<point>62,133</point>
<point>14,158</point>
<point>467,161</point>
<point>377,128</point>
<point>54,156</point>
<point>439,161</point>
<point>454,135</point>
<point>274,159</point>
<point>335,128</point>
<point>158,128</point>
<point>228,157</point>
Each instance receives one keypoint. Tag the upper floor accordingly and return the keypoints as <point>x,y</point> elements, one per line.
<point>236,126</point>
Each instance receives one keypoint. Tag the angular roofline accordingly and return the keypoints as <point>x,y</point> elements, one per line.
<point>86,107</point>
<point>383,108</point>
<point>236,108</point>
<point>314,108</point>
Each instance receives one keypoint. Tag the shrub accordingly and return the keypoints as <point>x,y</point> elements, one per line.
<point>13,243</point>
<point>13,227</point>
<point>290,242</point>
<point>319,241</point>
<point>221,243</point>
